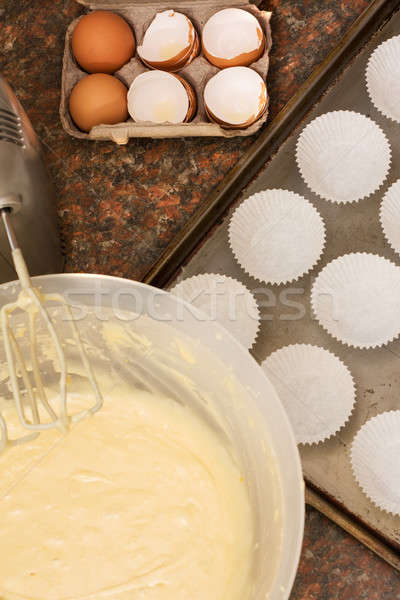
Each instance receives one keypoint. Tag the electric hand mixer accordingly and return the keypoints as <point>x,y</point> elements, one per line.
<point>22,179</point>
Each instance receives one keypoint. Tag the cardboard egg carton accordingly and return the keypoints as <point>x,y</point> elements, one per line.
<point>139,15</point>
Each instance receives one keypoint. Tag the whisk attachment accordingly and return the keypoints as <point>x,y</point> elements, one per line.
<point>5,439</point>
<point>33,395</point>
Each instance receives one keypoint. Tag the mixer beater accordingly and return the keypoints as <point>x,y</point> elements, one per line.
<point>27,386</point>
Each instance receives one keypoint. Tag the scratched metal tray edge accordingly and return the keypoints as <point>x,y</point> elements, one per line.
<point>246,169</point>
<point>352,524</point>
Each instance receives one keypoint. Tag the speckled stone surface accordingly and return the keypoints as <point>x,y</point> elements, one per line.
<point>335,566</point>
<point>120,206</point>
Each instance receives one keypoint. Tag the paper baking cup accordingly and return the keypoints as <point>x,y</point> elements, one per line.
<point>389,216</point>
<point>315,387</point>
<point>383,78</point>
<point>225,300</point>
<point>356,298</point>
<point>276,236</point>
<point>343,156</point>
<point>375,460</point>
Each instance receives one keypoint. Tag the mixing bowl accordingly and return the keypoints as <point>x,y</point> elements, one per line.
<point>158,342</point>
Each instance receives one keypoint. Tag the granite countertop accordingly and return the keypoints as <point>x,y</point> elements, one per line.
<point>119,207</point>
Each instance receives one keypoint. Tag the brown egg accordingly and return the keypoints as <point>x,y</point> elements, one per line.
<point>98,99</point>
<point>102,42</point>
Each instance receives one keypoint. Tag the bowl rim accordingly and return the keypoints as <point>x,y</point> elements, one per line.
<point>287,565</point>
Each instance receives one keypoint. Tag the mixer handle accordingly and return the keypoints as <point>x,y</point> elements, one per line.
<point>18,259</point>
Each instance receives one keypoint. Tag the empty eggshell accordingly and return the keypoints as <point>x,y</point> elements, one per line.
<point>235,97</point>
<point>160,97</point>
<point>233,37</point>
<point>170,42</point>
<point>98,99</point>
<point>102,42</point>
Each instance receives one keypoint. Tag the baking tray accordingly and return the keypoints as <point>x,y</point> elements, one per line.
<point>202,246</point>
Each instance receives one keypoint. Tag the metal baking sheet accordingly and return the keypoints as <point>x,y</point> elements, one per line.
<point>351,228</point>
<point>214,206</point>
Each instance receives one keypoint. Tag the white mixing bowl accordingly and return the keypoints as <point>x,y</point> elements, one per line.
<point>226,385</point>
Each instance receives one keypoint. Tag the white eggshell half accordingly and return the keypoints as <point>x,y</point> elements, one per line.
<point>169,34</point>
<point>158,97</point>
<point>232,32</point>
<point>235,95</point>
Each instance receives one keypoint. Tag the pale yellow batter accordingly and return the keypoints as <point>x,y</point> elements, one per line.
<point>140,502</point>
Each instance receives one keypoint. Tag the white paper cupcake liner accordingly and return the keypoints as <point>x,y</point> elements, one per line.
<point>375,460</point>
<point>383,78</point>
<point>343,156</point>
<point>356,298</point>
<point>276,236</point>
<point>389,216</point>
<point>225,300</point>
<point>316,389</point>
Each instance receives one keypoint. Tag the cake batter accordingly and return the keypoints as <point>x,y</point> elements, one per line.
<point>142,501</point>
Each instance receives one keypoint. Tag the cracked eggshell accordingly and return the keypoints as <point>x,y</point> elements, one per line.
<point>160,97</point>
<point>233,37</point>
<point>170,42</point>
<point>236,97</point>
